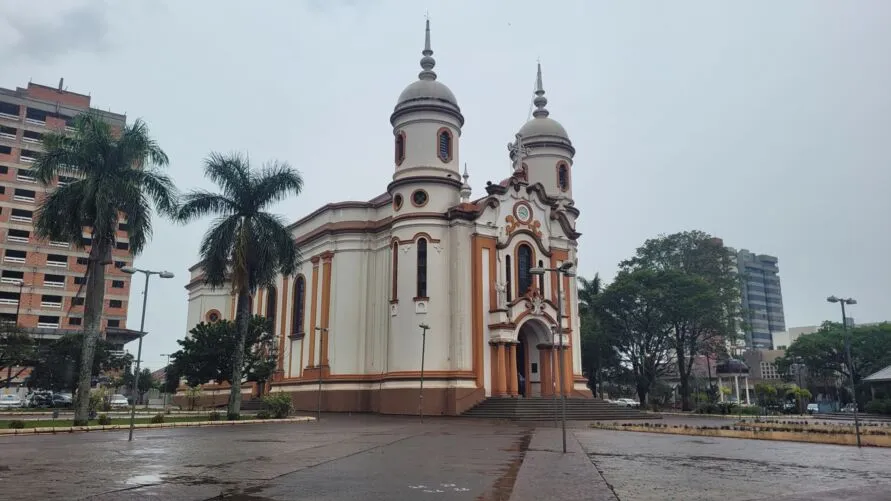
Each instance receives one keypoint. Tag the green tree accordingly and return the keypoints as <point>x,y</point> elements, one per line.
<point>599,353</point>
<point>146,382</point>
<point>245,247</point>
<point>112,173</point>
<point>208,353</point>
<point>59,364</point>
<point>702,287</point>
<point>633,309</point>
<point>17,348</point>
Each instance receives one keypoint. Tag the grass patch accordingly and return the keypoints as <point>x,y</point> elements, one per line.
<point>66,423</point>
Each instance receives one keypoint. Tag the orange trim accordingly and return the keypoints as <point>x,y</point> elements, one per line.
<point>312,376</point>
<point>544,371</point>
<point>417,236</point>
<point>527,369</point>
<point>451,153</point>
<point>512,379</point>
<point>312,312</point>
<point>232,310</point>
<point>283,313</point>
<point>326,305</point>
<point>477,322</point>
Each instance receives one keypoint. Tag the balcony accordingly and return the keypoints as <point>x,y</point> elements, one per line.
<point>21,240</point>
<point>47,325</point>
<point>57,264</point>
<point>27,159</point>
<point>21,198</point>
<point>12,259</point>
<point>57,285</point>
<point>34,121</point>
<point>20,219</point>
<point>13,302</point>
<point>13,281</point>
<point>25,178</point>
<point>6,135</point>
<point>9,116</point>
<point>50,304</point>
<point>64,245</point>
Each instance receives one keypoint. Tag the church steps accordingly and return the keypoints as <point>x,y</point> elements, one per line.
<point>543,409</point>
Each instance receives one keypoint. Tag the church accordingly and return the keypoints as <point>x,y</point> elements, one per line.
<point>425,270</point>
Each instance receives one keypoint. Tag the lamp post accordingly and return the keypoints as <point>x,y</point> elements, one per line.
<point>564,269</point>
<point>319,403</point>
<point>166,368</point>
<point>148,273</point>
<point>844,301</point>
<point>424,327</point>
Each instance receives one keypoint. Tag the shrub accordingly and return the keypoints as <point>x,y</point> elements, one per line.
<point>16,424</point>
<point>104,420</point>
<point>879,406</point>
<point>233,416</point>
<point>215,416</point>
<point>749,411</point>
<point>264,414</point>
<point>278,405</point>
<point>157,419</point>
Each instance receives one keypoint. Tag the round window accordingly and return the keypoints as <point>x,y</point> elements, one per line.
<point>213,317</point>
<point>419,198</point>
<point>397,202</point>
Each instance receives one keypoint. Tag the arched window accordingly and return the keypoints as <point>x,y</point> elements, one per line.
<point>422,267</point>
<point>444,145</point>
<point>400,147</point>
<point>394,295</point>
<point>299,306</point>
<point>563,176</point>
<point>541,278</point>
<point>508,283</point>
<point>524,263</point>
<point>271,297</point>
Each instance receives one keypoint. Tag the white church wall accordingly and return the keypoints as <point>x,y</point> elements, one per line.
<point>421,145</point>
<point>487,353</point>
<point>348,283</point>
<point>460,297</point>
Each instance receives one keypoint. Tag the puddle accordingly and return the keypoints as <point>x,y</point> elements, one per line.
<point>143,480</point>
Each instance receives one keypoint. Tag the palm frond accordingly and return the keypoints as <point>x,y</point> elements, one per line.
<point>283,250</point>
<point>200,203</point>
<point>230,172</point>
<point>274,183</point>
<point>54,219</point>
<point>217,248</point>
<point>156,185</point>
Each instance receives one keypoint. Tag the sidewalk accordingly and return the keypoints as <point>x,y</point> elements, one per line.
<point>547,473</point>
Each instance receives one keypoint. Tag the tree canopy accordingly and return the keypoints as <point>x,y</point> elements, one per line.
<point>58,363</point>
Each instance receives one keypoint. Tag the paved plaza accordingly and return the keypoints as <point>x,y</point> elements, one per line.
<point>396,458</point>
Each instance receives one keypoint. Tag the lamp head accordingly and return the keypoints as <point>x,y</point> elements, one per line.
<point>566,266</point>
<point>537,271</point>
<point>165,274</point>
<point>128,269</point>
<point>569,273</point>
<point>424,326</point>
<point>850,301</point>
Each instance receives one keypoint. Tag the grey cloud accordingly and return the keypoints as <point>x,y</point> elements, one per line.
<point>83,28</point>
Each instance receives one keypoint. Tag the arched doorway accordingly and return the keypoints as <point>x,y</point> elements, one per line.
<point>530,366</point>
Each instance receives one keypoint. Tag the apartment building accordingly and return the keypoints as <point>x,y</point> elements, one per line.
<point>761,297</point>
<point>39,280</point>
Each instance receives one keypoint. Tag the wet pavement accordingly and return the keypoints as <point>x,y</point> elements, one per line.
<point>649,466</point>
<point>358,457</point>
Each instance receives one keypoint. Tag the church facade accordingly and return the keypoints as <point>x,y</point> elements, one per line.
<point>424,266</point>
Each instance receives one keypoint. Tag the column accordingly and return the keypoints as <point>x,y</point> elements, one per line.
<point>512,370</point>
<point>567,371</point>
<point>721,388</point>
<point>501,382</point>
<point>736,383</point>
<point>544,370</point>
<point>746,380</point>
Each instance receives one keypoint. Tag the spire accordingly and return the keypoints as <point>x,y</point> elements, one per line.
<point>427,62</point>
<point>466,190</point>
<point>540,100</point>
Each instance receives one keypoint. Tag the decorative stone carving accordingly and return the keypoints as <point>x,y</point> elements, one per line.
<point>405,248</point>
<point>501,293</point>
<point>538,304</point>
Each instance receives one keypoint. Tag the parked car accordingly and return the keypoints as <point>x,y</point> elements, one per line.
<point>849,408</point>
<point>813,408</point>
<point>628,402</point>
<point>42,399</point>
<point>62,400</point>
<point>118,401</point>
<point>10,401</point>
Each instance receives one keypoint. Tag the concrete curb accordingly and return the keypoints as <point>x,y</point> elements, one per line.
<point>118,427</point>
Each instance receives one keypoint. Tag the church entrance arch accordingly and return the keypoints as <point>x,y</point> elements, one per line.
<point>533,359</point>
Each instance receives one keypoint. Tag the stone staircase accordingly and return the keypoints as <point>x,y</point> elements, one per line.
<point>542,409</point>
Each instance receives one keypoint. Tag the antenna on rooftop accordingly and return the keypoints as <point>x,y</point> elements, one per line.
<point>61,81</point>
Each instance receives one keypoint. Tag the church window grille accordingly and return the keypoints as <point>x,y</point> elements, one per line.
<point>524,264</point>
<point>422,267</point>
<point>419,198</point>
<point>508,282</point>
<point>563,177</point>
<point>271,296</point>
<point>444,149</point>
<point>395,278</point>
<point>400,148</point>
<point>541,278</point>
<point>299,305</point>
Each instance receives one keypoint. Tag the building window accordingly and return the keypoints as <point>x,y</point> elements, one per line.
<point>524,263</point>
<point>117,284</point>
<point>213,316</point>
<point>4,169</point>
<point>123,226</point>
<point>271,297</point>
<point>119,264</point>
<point>115,303</point>
<point>422,268</point>
<point>508,282</point>
<point>114,323</point>
<point>397,202</point>
<point>81,281</point>
<point>299,304</point>
<point>400,147</point>
<point>419,198</point>
<point>83,260</point>
<point>77,301</point>
<point>394,294</point>
<point>541,278</point>
<point>5,150</point>
<point>74,320</point>
<point>123,245</point>
<point>444,145</point>
<point>563,176</point>
<point>86,241</point>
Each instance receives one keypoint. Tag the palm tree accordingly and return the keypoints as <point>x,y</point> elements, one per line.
<point>245,247</point>
<point>111,174</point>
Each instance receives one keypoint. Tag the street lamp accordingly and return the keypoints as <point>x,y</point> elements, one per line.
<point>319,403</point>
<point>166,368</point>
<point>148,273</point>
<point>844,301</point>
<point>423,349</point>
<point>564,269</point>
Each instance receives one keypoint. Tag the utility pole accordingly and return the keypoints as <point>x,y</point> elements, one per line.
<point>844,301</point>
<point>319,411</point>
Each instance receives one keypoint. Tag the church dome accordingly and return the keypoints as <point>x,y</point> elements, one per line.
<point>427,93</point>
<point>541,126</point>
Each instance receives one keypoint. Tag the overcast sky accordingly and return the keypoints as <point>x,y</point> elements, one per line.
<point>765,123</point>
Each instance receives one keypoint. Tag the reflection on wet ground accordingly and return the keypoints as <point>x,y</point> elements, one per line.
<point>646,466</point>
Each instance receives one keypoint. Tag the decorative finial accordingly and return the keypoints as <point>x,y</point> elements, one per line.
<point>427,62</point>
<point>540,100</point>
<point>466,190</point>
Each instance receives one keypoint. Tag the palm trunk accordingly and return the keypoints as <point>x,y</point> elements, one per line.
<point>95,298</point>
<point>242,318</point>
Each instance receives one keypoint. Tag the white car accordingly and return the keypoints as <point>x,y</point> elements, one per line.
<point>10,401</point>
<point>118,400</point>
<point>628,402</point>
